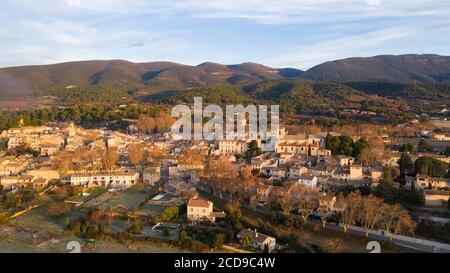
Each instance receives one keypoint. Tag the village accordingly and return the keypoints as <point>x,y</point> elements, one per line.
<point>225,195</point>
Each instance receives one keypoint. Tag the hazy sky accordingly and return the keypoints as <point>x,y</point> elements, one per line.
<point>278,33</point>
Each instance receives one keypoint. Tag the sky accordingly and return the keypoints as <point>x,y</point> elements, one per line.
<point>281,33</point>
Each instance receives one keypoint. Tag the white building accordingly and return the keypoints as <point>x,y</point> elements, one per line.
<point>260,241</point>
<point>441,137</point>
<point>117,180</point>
<point>308,180</point>
<point>199,210</point>
<point>232,147</point>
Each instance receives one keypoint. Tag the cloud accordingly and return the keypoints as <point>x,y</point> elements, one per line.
<point>260,11</point>
<point>332,49</point>
<point>73,3</point>
<point>298,33</point>
<point>373,2</point>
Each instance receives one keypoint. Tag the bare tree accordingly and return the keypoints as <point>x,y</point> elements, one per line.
<point>136,154</point>
<point>63,161</point>
<point>396,220</point>
<point>248,181</point>
<point>110,159</point>
<point>333,245</point>
<point>323,215</point>
<point>164,121</point>
<point>285,204</point>
<point>192,157</point>
<point>307,201</point>
<point>305,208</point>
<point>155,154</point>
<point>145,123</point>
<point>221,175</point>
<point>371,212</point>
<point>352,209</point>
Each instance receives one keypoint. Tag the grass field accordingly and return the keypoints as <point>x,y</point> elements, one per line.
<point>129,198</point>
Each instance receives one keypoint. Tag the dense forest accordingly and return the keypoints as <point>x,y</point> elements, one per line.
<point>81,114</point>
<point>295,97</point>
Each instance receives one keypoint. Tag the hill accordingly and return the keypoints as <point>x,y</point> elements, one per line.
<point>168,76</point>
<point>403,68</point>
<point>86,73</point>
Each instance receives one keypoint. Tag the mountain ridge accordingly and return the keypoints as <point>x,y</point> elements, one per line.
<point>427,68</point>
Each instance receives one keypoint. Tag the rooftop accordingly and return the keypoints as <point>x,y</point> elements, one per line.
<point>198,202</point>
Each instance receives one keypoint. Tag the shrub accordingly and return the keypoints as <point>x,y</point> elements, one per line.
<point>197,246</point>
<point>168,214</point>
<point>58,208</point>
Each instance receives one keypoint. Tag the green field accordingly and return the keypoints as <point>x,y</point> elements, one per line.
<point>129,198</point>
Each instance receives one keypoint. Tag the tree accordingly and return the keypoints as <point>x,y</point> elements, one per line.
<point>145,124</point>
<point>360,146</point>
<point>332,143</point>
<point>285,204</point>
<point>192,157</point>
<point>333,246</point>
<point>221,176</point>
<point>58,208</point>
<point>367,156</point>
<point>405,163</point>
<point>110,159</point>
<point>343,144</point>
<point>61,192</point>
<point>164,121</point>
<point>136,227</point>
<point>424,146</point>
<point>323,216</point>
<point>168,214</point>
<point>352,209</point>
<point>371,212</point>
<point>396,220</point>
<point>430,166</point>
<point>248,181</point>
<point>346,145</point>
<point>246,241</point>
<point>219,240</point>
<point>234,214</point>
<point>306,206</point>
<point>155,154</point>
<point>136,154</point>
<point>253,150</point>
<point>63,160</point>
<point>387,177</point>
<point>407,148</point>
